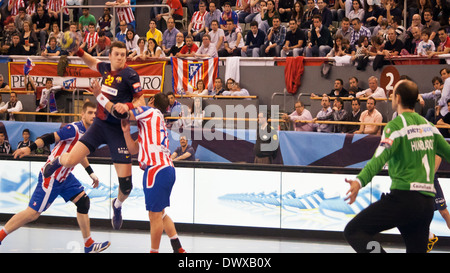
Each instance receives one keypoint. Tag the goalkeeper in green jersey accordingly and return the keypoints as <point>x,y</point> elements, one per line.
<point>409,144</point>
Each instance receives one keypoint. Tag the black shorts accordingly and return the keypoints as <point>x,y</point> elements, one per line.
<point>439,199</point>
<point>111,134</point>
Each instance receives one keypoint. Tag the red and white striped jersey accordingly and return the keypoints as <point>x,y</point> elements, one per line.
<point>198,20</point>
<point>125,13</point>
<point>90,39</point>
<point>15,6</point>
<point>56,5</point>
<point>68,135</point>
<point>31,8</point>
<point>153,137</point>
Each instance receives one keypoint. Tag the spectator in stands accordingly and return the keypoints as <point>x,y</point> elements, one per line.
<point>276,37</point>
<point>228,14</point>
<point>3,85</point>
<point>254,40</point>
<point>104,23</point>
<point>178,45</point>
<point>325,13</point>
<point>310,11</point>
<point>371,115</point>
<point>358,31</point>
<point>353,116</point>
<point>16,48</point>
<point>416,21</point>
<point>169,36</point>
<point>54,10</point>
<point>213,14</point>
<point>354,87</point>
<point>441,108</point>
<point>285,9</point>
<point>295,41</point>
<point>373,91</point>
<point>52,49</point>
<point>121,35</point>
<point>7,34</point>
<point>175,12</point>
<point>138,53</point>
<point>396,23</point>
<point>131,41</point>
<point>339,114</point>
<point>321,40</point>
<point>217,35</point>
<point>324,114</point>
<point>267,141</point>
<point>90,39</point>
<point>413,40</point>
<point>28,39</point>
<point>196,27</point>
<point>207,49</point>
<point>124,12</point>
<point>233,41</point>
<point>236,90</point>
<point>184,151</point>
<point>341,47</point>
<point>229,85</point>
<point>26,141</point>
<point>13,105</point>
<point>361,57</point>
<point>267,15</point>
<point>14,6</point>
<point>425,46</point>
<point>20,18</point>
<point>218,87</point>
<point>393,46</point>
<point>297,12</point>
<point>2,103</point>
<point>5,147</point>
<point>338,90</point>
<point>103,44</point>
<point>432,96</point>
<point>444,45</point>
<point>154,33</point>
<point>56,32</point>
<point>422,6</point>
<point>345,30</point>
<point>153,50</point>
<point>431,25</point>
<point>300,114</point>
<point>189,49</point>
<point>85,20</point>
<point>391,10</point>
<point>371,14</point>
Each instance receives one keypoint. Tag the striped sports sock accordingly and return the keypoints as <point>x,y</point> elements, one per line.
<point>88,242</point>
<point>3,234</point>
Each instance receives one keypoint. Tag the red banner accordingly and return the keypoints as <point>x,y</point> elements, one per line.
<point>80,76</point>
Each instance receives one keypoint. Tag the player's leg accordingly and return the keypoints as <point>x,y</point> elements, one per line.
<point>73,191</point>
<point>169,228</point>
<point>17,221</point>
<point>156,229</point>
<point>78,153</point>
<point>125,186</point>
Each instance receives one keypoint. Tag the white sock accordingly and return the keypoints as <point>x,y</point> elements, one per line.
<point>117,204</point>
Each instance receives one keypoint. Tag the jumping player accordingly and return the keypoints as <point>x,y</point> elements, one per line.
<point>62,182</point>
<point>121,85</point>
<point>409,144</point>
<point>154,158</point>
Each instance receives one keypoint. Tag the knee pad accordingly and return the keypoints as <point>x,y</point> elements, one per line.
<point>83,204</point>
<point>125,185</point>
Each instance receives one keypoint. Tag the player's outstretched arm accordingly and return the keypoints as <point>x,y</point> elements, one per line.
<point>46,139</point>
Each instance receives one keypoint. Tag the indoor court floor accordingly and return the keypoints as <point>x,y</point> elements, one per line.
<point>59,239</point>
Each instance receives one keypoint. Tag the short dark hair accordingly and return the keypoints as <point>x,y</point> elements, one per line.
<point>89,104</point>
<point>161,102</point>
<point>117,44</point>
<point>408,92</point>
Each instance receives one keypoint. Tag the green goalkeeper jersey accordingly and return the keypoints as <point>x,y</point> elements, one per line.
<point>409,144</point>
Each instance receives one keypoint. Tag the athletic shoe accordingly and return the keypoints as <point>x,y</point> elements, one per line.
<point>431,243</point>
<point>307,201</point>
<point>338,208</point>
<point>116,220</point>
<point>180,250</point>
<point>97,247</point>
<point>51,167</point>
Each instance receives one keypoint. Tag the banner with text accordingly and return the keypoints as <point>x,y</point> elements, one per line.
<point>80,76</point>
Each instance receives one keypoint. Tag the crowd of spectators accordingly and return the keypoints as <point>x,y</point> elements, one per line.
<point>256,28</point>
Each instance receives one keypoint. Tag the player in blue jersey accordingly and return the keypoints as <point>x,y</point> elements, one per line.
<point>121,85</point>
<point>62,183</point>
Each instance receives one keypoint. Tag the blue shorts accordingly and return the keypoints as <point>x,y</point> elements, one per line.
<point>157,184</point>
<point>439,199</point>
<point>102,132</point>
<point>48,189</point>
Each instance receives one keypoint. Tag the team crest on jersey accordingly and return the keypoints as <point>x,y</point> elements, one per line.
<point>119,79</point>
<point>386,143</point>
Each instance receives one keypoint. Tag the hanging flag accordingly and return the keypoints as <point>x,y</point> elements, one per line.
<point>187,72</point>
<point>68,83</point>
<point>52,103</point>
<point>27,67</point>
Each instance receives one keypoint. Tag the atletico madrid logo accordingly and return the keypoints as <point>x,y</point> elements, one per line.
<point>195,73</point>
